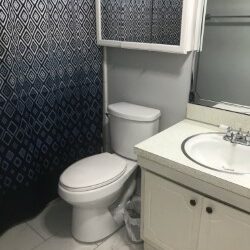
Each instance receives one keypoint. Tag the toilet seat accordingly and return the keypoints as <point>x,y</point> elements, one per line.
<point>93,172</point>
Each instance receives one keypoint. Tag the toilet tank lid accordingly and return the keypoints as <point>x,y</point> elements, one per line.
<point>133,112</point>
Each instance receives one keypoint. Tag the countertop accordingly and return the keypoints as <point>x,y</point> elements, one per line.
<point>165,149</point>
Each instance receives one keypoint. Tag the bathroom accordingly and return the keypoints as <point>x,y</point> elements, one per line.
<point>110,106</point>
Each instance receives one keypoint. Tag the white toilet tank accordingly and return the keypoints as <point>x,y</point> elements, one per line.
<point>129,125</point>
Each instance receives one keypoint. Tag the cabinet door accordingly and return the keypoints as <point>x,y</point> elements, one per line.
<point>223,228</point>
<point>171,214</point>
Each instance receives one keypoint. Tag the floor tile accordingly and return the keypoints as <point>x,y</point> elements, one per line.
<point>55,220</point>
<point>20,237</point>
<point>51,230</point>
<point>57,243</point>
<point>131,247</point>
<point>119,241</point>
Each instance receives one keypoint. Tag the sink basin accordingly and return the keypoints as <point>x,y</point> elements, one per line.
<point>211,151</point>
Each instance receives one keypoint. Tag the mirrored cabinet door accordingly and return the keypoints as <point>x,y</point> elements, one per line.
<point>161,25</point>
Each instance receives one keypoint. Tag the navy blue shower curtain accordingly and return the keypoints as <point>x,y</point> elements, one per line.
<point>50,99</point>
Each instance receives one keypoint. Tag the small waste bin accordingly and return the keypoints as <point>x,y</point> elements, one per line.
<point>132,218</point>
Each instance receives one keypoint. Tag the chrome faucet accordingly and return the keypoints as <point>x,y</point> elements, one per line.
<point>237,137</point>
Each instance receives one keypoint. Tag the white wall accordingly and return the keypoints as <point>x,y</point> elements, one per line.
<point>158,80</point>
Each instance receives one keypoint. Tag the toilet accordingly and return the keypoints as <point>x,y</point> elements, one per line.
<point>93,184</point>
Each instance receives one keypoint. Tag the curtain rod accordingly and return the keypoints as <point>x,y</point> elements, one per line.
<point>208,16</point>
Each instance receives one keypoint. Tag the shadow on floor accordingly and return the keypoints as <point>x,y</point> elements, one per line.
<point>57,219</point>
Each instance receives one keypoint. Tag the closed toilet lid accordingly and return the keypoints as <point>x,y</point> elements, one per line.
<point>93,172</point>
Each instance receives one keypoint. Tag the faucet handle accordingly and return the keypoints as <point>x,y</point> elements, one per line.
<point>230,132</point>
<point>248,138</point>
<point>240,133</point>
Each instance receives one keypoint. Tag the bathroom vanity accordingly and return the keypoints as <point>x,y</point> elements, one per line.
<point>186,206</point>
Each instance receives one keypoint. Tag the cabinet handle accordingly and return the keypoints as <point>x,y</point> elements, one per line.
<point>209,210</point>
<point>193,203</point>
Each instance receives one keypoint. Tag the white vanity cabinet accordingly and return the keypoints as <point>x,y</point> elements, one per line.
<point>175,218</point>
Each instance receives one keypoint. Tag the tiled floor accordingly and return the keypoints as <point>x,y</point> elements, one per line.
<point>50,230</point>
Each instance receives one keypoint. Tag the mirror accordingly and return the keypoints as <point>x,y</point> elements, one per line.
<point>221,76</point>
<point>142,21</point>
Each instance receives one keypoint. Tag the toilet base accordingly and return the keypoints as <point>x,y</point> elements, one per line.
<point>90,225</point>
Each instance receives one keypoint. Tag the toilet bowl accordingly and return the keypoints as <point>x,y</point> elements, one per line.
<point>96,184</point>
<point>91,217</point>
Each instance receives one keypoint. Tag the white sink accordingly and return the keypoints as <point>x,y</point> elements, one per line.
<point>211,151</point>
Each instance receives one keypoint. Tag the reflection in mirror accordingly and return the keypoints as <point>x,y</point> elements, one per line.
<point>222,71</point>
<point>144,21</point>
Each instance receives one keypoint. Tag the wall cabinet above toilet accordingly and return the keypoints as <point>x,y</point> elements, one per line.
<point>167,26</point>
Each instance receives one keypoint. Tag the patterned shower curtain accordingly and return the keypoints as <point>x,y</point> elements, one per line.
<point>50,99</point>
<point>147,21</point>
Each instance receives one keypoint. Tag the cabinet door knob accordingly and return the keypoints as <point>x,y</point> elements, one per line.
<point>209,210</point>
<point>193,203</point>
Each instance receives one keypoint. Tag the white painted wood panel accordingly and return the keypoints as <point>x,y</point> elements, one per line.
<point>224,229</point>
<point>170,221</point>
